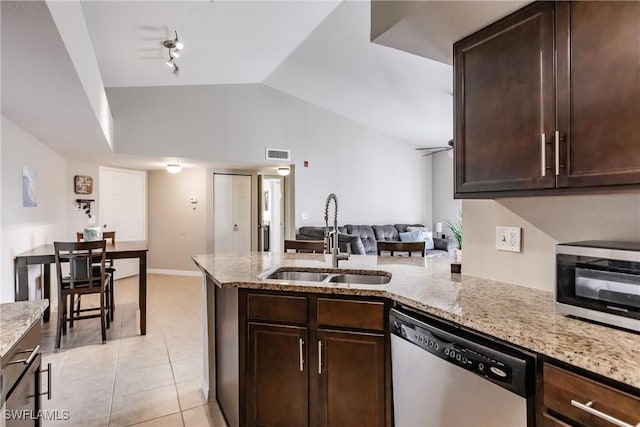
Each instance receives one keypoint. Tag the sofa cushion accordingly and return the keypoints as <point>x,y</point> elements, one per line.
<point>351,243</point>
<point>386,232</point>
<point>315,233</point>
<point>403,227</point>
<point>416,236</point>
<point>366,234</point>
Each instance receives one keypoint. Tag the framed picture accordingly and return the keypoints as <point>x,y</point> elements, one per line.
<point>266,200</point>
<point>83,184</point>
<point>29,199</point>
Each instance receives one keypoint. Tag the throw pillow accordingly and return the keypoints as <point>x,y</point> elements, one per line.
<point>417,235</point>
<point>410,228</point>
<point>411,236</point>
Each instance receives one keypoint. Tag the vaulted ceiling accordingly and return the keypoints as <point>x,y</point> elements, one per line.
<point>318,51</point>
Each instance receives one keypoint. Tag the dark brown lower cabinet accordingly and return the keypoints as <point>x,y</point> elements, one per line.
<point>571,399</point>
<point>276,376</point>
<point>351,373</point>
<point>23,403</point>
<point>308,360</point>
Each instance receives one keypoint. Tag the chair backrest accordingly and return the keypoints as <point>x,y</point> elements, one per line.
<point>81,257</point>
<point>304,245</point>
<point>410,247</point>
<point>106,235</point>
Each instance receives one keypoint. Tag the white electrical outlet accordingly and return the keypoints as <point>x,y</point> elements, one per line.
<point>508,238</point>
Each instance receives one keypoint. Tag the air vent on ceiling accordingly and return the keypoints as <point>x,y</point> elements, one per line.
<point>278,154</point>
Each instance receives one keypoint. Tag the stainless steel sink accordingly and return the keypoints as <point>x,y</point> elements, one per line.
<point>328,276</point>
<point>361,279</point>
<point>308,276</point>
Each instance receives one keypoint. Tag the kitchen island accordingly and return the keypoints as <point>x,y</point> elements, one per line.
<point>517,315</point>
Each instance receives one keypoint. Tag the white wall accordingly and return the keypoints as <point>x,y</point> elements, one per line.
<point>71,25</point>
<point>378,179</point>
<point>545,221</point>
<point>24,228</point>
<point>445,207</point>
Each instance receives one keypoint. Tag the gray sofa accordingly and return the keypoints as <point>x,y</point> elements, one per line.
<point>362,239</point>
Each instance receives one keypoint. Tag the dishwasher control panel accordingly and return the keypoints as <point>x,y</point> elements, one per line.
<point>466,350</point>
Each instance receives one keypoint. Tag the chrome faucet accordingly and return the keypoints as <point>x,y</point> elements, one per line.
<point>331,238</point>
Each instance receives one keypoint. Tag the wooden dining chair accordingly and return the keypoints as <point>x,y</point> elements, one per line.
<point>83,278</point>
<point>410,247</point>
<point>308,246</point>
<point>109,268</point>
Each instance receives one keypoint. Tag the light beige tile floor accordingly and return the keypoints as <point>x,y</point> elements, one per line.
<point>151,380</point>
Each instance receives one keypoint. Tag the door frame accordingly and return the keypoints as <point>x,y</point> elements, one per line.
<point>283,204</point>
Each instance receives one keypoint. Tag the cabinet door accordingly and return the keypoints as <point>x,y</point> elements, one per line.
<point>599,92</point>
<point>351,379</point>
<point>276,377</point>
<point>505,104</point>
<point>23,403</point>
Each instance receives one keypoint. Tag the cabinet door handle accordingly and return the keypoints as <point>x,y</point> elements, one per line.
<point>34,353</point>
<point>301,355</point>
<point>588,407</point>
<point>557,138</point>
<point>543,146</point>
<point>48,371</point>
<point>319,357</point>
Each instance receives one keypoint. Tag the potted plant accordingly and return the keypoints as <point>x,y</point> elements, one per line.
<point>456,228</point>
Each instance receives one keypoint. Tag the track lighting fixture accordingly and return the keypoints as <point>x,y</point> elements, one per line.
<point>174,47</point>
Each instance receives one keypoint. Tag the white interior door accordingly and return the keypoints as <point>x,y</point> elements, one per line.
<point>232,213</point>
<point>123,209</point>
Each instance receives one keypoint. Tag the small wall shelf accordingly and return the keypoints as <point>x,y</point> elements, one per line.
<point>84,204</point>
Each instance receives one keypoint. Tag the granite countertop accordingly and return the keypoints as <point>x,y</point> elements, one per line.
<point>516,314</point>
<point>16,318</point>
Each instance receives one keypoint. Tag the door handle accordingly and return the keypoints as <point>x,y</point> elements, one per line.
<point>543,145</point>
<point>557,138</point>
<point>301,342</point>
<point>588,407</point>
<point>319,357</point>
<point>48,371</point>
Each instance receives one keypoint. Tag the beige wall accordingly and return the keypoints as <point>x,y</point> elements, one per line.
<point>77,220</point>
<point>176,230</point>
<point>545,221</point>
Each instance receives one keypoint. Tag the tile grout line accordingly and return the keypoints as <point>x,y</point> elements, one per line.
<point>173,375</point>
<point>115,371</point>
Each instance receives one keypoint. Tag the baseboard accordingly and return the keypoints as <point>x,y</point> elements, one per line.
<point>174,272</point>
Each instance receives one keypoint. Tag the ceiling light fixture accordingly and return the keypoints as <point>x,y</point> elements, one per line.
<point>283,171</point>
<point>173,46</point>
<point>174,167</point>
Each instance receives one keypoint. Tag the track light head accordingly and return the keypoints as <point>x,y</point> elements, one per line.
<point>173,46</point>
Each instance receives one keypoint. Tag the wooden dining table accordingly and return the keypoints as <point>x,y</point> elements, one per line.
<point>45,255</point>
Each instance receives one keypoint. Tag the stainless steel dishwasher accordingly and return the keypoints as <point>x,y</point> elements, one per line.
<point>445,376</point>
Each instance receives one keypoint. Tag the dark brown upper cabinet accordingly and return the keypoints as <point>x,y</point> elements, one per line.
<point>598,48</point>
<point>547,101</point>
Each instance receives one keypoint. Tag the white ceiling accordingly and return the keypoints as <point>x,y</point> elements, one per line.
<point>338,68</point>
<point>226,42</point>
<point>319,51</point>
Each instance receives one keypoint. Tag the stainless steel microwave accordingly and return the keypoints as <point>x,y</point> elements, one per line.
<point>600,281</point>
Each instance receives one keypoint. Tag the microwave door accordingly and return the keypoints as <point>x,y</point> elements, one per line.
<point>607,286</point>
